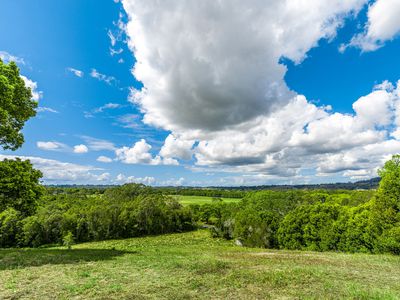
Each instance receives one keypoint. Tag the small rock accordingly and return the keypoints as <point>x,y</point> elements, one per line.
<point>238,243</point>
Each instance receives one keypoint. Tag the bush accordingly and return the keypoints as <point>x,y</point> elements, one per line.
<point>389,241</point>
<point>255,220</point>
<point>10,227</point>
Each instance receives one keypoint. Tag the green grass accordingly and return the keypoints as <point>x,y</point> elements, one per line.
<point>193,266</point>
<point>187,200</point>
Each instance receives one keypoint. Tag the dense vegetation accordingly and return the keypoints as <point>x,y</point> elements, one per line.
<point>358,221</point>
<point>128,211</point>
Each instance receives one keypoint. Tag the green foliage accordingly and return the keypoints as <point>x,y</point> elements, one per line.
<point>16,106</point>
<point>386,205</point>
<point>310,227</point>
<point>19,186</point>
<point>93,218</point>
<point>349,224</point>
<point>259,216</point>
<point>389,241</point>
<point>319,220</point>
<point>10,227</point>
<point>128,191</point>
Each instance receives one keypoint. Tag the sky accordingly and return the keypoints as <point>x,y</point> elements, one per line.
<point>207,93</point>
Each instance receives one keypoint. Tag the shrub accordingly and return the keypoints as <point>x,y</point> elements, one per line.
<point>10,227</point>
<point>389,241</point>
<point>310,227</point>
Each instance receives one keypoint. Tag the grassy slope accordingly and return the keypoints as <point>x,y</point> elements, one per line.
<point>193,265</point>
<point>186,200</point>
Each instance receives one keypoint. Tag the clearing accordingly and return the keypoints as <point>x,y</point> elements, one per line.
<point>193,266</point>
<point>187,200</point>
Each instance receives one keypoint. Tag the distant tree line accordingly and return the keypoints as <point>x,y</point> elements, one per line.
<point>368,184</point>
<point>206,192</point>
<point>227,192</point>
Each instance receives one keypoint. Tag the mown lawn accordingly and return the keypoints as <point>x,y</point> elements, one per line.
<point>186,200</point>
<point>193,266</point>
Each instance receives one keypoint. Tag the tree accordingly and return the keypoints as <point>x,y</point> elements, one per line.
<point>16,106</point>
<point>387,198</point>
<point>19,186</point>
<point>386,207</point>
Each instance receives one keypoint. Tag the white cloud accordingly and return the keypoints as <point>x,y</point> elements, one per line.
<point>104,177</point>
<point>107,106</point>
<point>116,52</point>
<point>104,159</point>
<point>36,95</point>
<point>172,182</point>
<point>383,25</point>
<point>139,153</point>
<point>55,171</point>
<point>7,57</point>
<point>76,72</point>
<point>101,77</point>
<point>175,148</point>
<point>81,149</point>
<point>98,144</point>
<point>46,109</point>
<point>113,39</point>
<point>148,180</point>
<point>213,64</point>
<point>51,146</point>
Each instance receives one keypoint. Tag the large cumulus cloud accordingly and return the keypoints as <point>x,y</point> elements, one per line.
<point>212,75</point>
<point>212,64</point>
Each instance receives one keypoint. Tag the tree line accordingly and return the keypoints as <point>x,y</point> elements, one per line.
<point>347,221</point>
<point>130,210</point>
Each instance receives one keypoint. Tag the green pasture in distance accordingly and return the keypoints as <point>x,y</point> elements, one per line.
<point>187,200</point>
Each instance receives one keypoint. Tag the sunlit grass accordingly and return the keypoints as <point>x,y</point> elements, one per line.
<point>187,200</point>
<point>193,266</point>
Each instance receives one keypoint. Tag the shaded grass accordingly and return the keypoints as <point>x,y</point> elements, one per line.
<point>194,266</point>
<point>22,258</point>
<point>187,200</point>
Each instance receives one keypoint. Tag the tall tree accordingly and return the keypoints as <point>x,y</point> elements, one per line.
<point>20,186</point>
<point>387,199</point>
<point>16,106</point>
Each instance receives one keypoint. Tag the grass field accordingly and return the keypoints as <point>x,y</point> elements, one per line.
<point>186,200</point>
<point>193,266</point>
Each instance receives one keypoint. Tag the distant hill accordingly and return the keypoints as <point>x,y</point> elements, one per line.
<point>358,185</point>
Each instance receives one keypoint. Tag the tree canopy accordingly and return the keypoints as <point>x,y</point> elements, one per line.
<point>16,106</point>
<point>19,186</point>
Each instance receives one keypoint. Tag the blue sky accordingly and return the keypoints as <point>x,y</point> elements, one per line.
<point>225,99</point>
